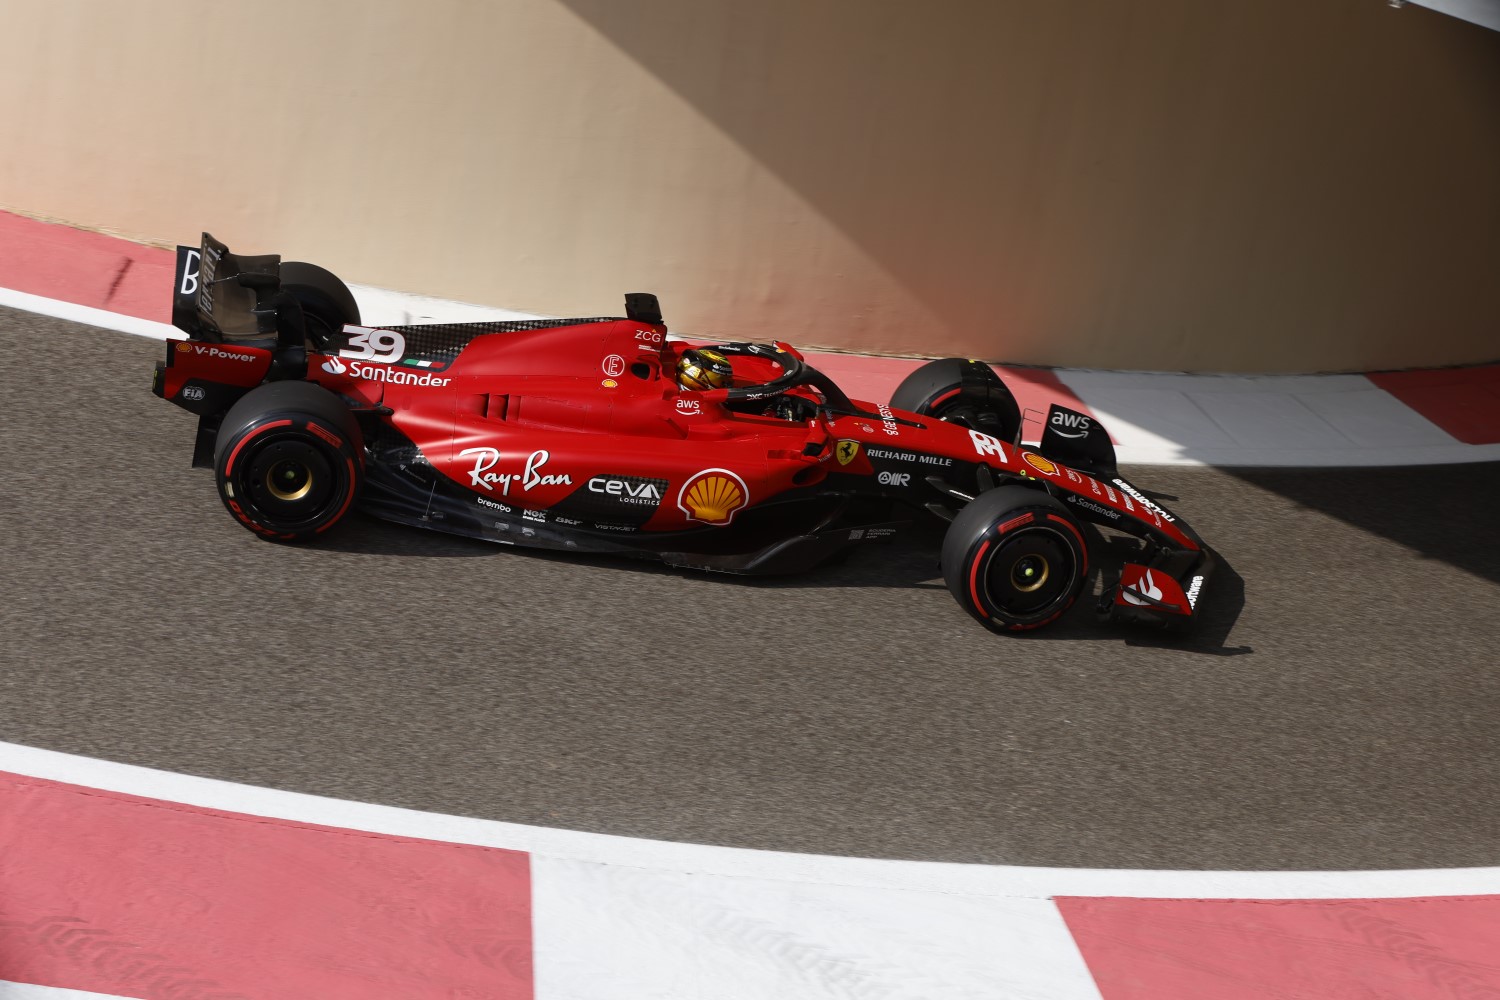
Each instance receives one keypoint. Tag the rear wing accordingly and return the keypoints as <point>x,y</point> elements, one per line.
<point>211,302</point>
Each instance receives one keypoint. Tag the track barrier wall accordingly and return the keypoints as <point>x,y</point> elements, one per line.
<point>1165,185</point>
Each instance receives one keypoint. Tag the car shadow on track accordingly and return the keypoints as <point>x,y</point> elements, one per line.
<point>910,562</point>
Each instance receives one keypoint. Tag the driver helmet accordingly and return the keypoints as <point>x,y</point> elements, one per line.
<point>702,369</point>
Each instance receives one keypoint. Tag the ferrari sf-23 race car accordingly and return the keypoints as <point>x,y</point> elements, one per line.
<point>604,435</point>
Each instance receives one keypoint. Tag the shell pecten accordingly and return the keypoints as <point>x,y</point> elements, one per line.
<point>712,496</point>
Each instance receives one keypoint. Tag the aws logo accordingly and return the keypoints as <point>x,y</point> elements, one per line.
<point>713,496</point>
<point>1066,423</point>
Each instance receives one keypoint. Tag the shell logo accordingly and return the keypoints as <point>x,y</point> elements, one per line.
<point>713,496</point>
<point>1039,463</point>
<point>183,346</point>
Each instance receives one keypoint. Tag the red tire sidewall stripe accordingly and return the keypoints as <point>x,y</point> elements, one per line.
<point>229,466</point>
<point>348,499</point>
<point>934,404</point>
<point>974,577</point>
<point>1083,549</point>
<point>1029,516</point>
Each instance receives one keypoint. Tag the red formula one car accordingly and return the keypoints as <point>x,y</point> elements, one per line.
<point>578,434</point>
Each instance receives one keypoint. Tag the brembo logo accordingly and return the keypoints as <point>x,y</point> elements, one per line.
<point>1071,425</point>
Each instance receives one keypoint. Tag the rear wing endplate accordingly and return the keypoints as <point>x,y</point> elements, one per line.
<point>209,304</point>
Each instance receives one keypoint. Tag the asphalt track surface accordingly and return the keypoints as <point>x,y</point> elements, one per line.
<point>1337,711</point>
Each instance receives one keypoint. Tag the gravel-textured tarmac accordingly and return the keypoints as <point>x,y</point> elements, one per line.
<point>1338,711</point>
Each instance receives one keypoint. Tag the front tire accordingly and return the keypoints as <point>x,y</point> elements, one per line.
<point>936,390</point>
<point>1015,559</point>
<point>289,461</point>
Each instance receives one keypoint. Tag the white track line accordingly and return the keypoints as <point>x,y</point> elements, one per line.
<point>980,881</point>
<point>26,991</point>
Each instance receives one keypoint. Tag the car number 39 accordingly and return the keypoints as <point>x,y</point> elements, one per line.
<point>373,345</point>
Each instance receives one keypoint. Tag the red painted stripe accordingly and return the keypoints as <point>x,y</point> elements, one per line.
<point>1194,949</point>
<point>88,269</point>
<point>136,897</point>
<point>1465,402</point>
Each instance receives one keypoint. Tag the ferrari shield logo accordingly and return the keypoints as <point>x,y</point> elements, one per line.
<point>847,451</point>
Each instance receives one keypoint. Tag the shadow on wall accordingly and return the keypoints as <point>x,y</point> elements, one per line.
<point>1155,185</point>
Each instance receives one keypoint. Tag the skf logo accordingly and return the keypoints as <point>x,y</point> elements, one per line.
<point>713,496</point>
<point>894,478</point>
<point>334,366</point>
<point>846,451</point>
<point>1039,463</point>
<point>1066,423</point>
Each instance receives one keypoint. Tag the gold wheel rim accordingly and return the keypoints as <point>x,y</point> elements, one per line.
<point>289,496</point>
<point>1028,586</point>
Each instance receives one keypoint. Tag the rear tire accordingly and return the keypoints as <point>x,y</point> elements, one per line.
<point>327,303</point>
<point>1015,559</point>
<point>934,390</point>
<point>289,461</point>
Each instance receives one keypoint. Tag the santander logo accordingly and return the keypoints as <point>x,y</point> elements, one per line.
<point>334,366</point>
<point>1147,586</point>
